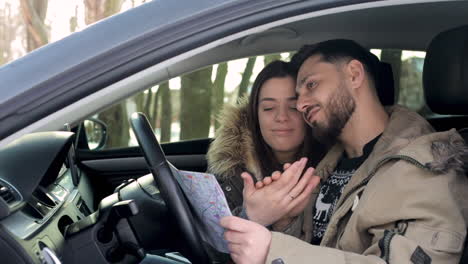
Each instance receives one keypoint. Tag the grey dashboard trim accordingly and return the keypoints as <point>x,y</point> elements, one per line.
<point>124,164</point>
<point>24,226</point>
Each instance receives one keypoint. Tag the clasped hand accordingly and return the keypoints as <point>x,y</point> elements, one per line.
<point>278,197</point>
<point>281,196</point>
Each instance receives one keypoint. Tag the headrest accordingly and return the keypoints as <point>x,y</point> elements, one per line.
<point>445,74</point>
<point>385,84</point>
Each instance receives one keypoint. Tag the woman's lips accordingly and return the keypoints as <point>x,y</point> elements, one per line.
<point>282,132</point>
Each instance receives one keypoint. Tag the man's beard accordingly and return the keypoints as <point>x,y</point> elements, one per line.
<point>339,110</point>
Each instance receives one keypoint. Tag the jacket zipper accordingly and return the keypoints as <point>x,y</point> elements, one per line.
<point>385,245</point>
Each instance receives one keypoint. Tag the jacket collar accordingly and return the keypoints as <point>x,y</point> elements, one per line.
<point>407,135</point>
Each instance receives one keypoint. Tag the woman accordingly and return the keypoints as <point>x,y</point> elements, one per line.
<point>261,134</point>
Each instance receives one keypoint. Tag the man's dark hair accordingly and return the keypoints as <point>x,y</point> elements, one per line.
<point>337,50</point>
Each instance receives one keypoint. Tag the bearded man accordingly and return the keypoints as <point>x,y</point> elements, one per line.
<point>389,190</point>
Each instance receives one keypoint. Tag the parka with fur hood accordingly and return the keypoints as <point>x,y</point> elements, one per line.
<point>407,203</point>
<point>232,152</point>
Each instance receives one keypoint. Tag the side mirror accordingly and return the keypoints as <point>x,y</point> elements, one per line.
<point>96,133</point>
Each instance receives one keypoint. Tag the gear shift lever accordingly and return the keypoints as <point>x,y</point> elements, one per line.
<point>122,209</point>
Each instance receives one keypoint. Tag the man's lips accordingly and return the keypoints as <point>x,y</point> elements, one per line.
<point>311,111</point>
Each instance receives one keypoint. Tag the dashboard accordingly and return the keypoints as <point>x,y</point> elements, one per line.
<point>42,193</point>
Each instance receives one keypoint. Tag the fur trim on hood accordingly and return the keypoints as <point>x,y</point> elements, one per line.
<point>450,153</point>
<point>232,151</point>
<point>409,134</point>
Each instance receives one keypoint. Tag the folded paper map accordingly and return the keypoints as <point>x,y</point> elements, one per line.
<point>207,198</point>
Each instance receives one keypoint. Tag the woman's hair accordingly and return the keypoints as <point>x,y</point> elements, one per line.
<point>267,160</point>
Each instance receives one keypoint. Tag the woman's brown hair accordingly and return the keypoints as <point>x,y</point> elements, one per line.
<point>266,158</point>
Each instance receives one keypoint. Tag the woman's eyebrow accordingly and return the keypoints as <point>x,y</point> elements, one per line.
<point>270,99</point>
<point>267,99</point>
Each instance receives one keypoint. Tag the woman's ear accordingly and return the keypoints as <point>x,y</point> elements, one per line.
<point>356,73</point>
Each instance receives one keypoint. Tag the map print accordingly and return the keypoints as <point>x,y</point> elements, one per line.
<point>208,200</point>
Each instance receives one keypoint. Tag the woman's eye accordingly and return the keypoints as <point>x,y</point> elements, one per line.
<point>293,108</point>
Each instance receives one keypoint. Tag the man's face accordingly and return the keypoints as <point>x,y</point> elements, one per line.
<point>324,98</point>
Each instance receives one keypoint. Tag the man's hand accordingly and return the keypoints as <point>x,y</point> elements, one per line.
<point>286,196</point>
<point>248,242</point>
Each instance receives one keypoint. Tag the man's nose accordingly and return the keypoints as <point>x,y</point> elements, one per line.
<point>302,103</point>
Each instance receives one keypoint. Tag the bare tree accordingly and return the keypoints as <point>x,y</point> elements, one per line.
<point>195,111</point>
<point>218,91</point>
<point>154,107</point>
<point>245,82</point>
<point>9,25</point>
<point>166,111</point>
<point>98,9</point>
<point>34,13</point>
<point>271,57</point>
<point>74,21</point>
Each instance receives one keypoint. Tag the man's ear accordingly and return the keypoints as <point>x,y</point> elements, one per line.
<point>356,73</point>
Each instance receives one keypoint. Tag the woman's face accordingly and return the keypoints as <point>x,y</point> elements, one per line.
<point>281,125</point>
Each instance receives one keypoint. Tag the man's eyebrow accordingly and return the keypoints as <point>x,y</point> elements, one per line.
<point>301,82</point>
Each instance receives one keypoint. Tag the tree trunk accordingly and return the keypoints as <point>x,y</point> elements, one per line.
<point>148,102</point>
<point>139,101</point>
<point>245,82</point>
<point>154,112</point>
<point>271,57</point>
<point>114,117</point>
<point>166,112</point>
<point>34,13</point>
<point>74,21</point>
<point>195,101</point>
<point>393,56</point>
<point>98,9</point>
<point>218,91</point>
<point>9,25</point>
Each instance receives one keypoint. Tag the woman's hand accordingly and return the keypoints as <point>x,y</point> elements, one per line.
<point>285,196</point>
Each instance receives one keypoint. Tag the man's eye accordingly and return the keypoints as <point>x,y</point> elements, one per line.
<point>293,108</point>
<point>311,84</point>
<point>267,109</point>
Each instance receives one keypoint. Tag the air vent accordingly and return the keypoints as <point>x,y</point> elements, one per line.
<point>8,193</point>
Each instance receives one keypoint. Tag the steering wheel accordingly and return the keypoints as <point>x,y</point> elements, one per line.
<point>170,190</point>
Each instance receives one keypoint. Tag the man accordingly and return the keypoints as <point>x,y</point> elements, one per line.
<point>391,189</point>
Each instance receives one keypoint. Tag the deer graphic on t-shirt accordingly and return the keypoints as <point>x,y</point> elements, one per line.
<point>320,206</point>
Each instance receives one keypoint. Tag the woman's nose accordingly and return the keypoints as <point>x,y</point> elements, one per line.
<point>282,115</point>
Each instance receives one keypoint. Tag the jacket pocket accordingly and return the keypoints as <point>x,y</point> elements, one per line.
<point>437,239</point>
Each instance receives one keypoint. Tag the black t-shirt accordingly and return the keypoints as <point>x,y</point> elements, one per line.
<point>332,189</point>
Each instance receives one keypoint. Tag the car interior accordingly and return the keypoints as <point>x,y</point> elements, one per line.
<point>64,202</point>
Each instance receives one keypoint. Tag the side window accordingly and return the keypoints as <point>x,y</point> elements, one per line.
<point>184,107</point>
<point>407,69</point>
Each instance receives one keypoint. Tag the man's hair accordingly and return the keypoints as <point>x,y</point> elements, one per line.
<point>336,51</point>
